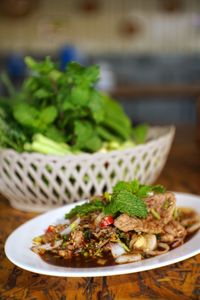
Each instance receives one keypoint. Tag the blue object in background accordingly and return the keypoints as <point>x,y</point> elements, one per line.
<point>15,66</point>
<point>67,54</point>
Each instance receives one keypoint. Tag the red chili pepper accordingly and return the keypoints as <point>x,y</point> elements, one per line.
<point>108,220</point>
<point>50,228</point>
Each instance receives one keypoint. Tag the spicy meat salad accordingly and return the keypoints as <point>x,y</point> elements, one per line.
<point>132,223</point>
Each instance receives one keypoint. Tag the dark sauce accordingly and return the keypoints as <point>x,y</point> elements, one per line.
<point>190,236</point>
<point>77,261</point>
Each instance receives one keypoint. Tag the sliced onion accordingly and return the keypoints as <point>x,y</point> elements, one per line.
<point>140,242</point>
<point>62,222</point>
<point>71,227</point>
<point>116,249</point>
<point>151,242</point>
<point>164,246</point>
<point>177,243</point>
<point>127,258</point>
<point>193,228</point>
<point>47,246</point>
<point>98,219</point>
<point>144,242</point>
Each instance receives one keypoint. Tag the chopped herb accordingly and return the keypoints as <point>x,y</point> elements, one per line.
<point>175,214</point>
<point>155,213</point>
<point>158,236</point>
<point>107,196</point>
<point>166,204</point>
<point>124,245</point>
<point>87,235</point>
<point>37,240</point>
<point>64,245</point>
<point>65,237</point>
<point>85,254</point>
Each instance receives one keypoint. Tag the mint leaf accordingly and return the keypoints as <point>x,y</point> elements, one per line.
<point>125,202</point>
<point>47,115</point>
<point>144,191</point>
<point>135,185</point>
<point>128,198</point>
<point>86,208</point>
<point>42,93</point>
<point>158,189</point>
<point>86,137</point>
<point>80,75</point>
<point>29,116</point>
<point>140,133</point>
<point>79,96</point>
<point>132,186</point>
<point>96,106</point>
<point>26,114</point>
<point>122,185</point>
<point>138,189</point>
<point>44,67</point>
<point>93,144</point>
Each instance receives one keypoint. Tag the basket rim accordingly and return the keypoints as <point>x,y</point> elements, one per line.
<point>168,131</point>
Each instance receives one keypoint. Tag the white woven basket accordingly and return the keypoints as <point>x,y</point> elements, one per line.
<point>37,182</point>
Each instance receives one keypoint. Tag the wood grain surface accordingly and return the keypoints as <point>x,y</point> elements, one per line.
<point>177,281</point>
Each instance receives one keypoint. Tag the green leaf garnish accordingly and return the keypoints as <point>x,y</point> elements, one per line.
<point>158,189</point>
<point>128,203</point>
<point>127,197</point>
<point>86,208</point>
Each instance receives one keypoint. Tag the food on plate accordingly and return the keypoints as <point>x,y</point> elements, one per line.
<point>132,223</point>
<point>62,112</point>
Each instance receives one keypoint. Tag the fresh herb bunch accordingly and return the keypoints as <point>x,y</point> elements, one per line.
<point>127,197</point>
<point>63,107</point>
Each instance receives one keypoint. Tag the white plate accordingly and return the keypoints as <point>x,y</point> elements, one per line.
<point>17,247</point>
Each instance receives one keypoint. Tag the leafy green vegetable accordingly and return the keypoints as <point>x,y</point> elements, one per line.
<point>64,107</point>
<point>86,137</point>
<point>44,145</point>
<point>115,119</point>
<point>86,208</point>
<point>139,133</point>
<point>11,135</point>
<point>29,116</point>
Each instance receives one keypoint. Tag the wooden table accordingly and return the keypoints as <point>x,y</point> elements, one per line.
<point>177,281</point>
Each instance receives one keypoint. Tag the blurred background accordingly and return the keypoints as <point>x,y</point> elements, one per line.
<point>148,50</point>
